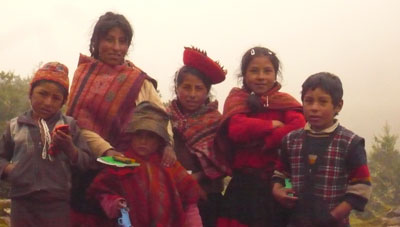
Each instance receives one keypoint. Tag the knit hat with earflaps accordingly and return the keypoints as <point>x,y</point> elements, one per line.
<point>150,117</point>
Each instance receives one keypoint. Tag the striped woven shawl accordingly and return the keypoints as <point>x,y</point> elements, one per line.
<point>102,97</point>
<point>198,131</point>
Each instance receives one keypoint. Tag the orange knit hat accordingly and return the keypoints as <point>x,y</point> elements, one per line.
<point>199,60</point>
<point>52,71</point>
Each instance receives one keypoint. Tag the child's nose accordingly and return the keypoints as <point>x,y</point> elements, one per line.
<point>48,101</point>
<point>261,76</point>
<point>315,106</point>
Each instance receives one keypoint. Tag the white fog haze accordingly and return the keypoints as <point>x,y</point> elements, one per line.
<point>358,40</point>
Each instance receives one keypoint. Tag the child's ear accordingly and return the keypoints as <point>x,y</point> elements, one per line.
<point>338,107</point>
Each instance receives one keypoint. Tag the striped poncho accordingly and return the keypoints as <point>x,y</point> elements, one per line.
<point>102,97</point>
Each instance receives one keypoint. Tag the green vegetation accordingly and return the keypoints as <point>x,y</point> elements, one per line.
<point>384,166</point>
<point>13,96</point>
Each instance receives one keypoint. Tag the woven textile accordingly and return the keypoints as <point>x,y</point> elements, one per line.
<point>198,130</point>
<point>103,97</point>
<point>156,195</point>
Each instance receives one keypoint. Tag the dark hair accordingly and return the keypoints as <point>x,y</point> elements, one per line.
<point>184,70</point>
<point>106,22</point>
<point>40,82</point>
<point>257,52</point>
<point>328,82</point>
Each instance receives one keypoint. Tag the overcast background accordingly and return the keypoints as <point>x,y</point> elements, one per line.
<point>357,40</point>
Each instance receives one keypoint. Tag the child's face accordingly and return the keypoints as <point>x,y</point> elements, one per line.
<point>113,47</point>
<point>192,93</point>
<point>319,109</point>
<point>260,75</point>
<point>46,100</point>
<point>145,142</point>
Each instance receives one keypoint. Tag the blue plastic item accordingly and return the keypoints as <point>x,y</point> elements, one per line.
<point>124,220</point>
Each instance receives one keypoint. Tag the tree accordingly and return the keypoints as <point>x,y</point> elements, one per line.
<point>13,96</point>
<point>384,165</point>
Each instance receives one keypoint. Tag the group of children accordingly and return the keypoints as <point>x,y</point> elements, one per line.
<point>263,139</point>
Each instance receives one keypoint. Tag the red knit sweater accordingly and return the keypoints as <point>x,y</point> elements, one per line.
<point>256,141</point>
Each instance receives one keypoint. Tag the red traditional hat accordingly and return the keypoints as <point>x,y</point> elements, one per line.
<point>53,71</point>
<point>199,60</point>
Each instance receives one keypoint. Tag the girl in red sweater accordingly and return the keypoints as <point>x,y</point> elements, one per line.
<point>256,117</point>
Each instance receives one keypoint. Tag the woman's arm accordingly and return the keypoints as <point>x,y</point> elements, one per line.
<point>85,157</point>
<point>96,143</point>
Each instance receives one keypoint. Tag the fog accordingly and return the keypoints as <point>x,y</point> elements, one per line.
<point>357,40</point>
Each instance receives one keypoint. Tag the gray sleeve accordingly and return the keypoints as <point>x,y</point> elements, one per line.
<point>6,149</point>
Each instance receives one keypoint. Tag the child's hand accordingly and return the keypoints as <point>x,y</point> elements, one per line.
<point>63,141</point>
<point>112,208</point>
<point>203,194</point>
<point>341,211</point>
<point>7,170</point>
<point>122,204</point>
<point>169,156</point>
<point>192,216</point>
<point>281,195</point>
<point>277,124</point>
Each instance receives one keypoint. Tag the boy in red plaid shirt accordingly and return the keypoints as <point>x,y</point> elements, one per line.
<point>326,162</point>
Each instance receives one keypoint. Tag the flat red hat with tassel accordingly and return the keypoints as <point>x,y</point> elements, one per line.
<point>199,60</point>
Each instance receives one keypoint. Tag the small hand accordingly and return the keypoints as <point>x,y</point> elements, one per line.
<point>341,211</point>
<point>113,209</point>
<point>169,156</point>
<point>8,169</point>
<point>282,195</point>
<point>63,141</point>
<point>122,204</point>
<point>203,195</point>
<point>277,124</point>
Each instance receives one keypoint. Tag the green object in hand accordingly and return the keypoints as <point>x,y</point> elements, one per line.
<point>288,184</point>
<point>109,160</point>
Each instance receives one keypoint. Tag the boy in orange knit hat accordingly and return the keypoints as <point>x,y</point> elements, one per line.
<point>37,159</point>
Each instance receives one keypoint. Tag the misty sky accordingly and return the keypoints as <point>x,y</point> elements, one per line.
<point>357,40</point>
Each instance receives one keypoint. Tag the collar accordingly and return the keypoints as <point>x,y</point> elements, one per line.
<point>328,130</point>
<point>26,118</point>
